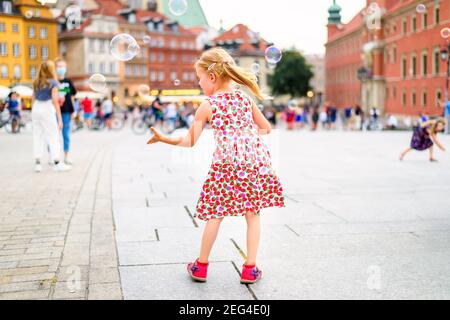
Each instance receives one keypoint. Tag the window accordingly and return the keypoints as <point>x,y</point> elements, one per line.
<point>414,65</point>
<point>404,66</point>
<point>43,33</point>
<point>4,71</point>
<point>414,23</point>
<point>153,76</point>
<point>16,49</point>
<point>44,52</point>
<point>91,68</point>
<point>3,49</point>
<point>404,97</point>
<point>424,20</point>
<point>33,71</point>
<point>185,76</point>
<point>7,7</point>
<point>160,27</point>
<point>438,97</point>
<point>173,58</point>
<point>37,13</point>
<point>2,27</point>
<point>404,26</point>
<point>32,52</point>
<point>161,76</point>
<point>102,67</point>
<point>128,70</point>
<point>386,56</point>
<point>15,28</point>
<point>173,76</point>
<point>424,98</point>
<point>31,32</point>
<point>413,98</point>
<point>91,45</point>
<point>394,91</point>
<point>144,70</point>
<point>161,57</point>
<point>437,17</point>
<point>112,68</point>
<point>101,46</point>
<point>436,61</point>
<point>152,57</point>
<point>424,63</point>
<point>132,18</point>
<point>136,70</point>
<point>394,55</point>
<point>17,72</point>
<point>161,43</point>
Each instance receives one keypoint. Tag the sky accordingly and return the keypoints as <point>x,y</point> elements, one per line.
<point>287,23</point>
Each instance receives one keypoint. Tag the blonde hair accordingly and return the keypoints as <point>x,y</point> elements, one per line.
<point>46,72</point>
<point>436,123</point>
<point>220,62</point>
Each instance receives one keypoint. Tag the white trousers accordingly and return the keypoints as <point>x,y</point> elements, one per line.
<point>45,129</point>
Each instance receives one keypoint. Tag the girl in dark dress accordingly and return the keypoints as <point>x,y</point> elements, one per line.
<point>425,136</point>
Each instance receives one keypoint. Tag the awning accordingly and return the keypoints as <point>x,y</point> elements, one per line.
<point>4,91</point>
<point>23,91</point>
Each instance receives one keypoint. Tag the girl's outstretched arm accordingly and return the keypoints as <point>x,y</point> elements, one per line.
<point>437,142</point>
<point>202,116</point>
<point>260,120</point>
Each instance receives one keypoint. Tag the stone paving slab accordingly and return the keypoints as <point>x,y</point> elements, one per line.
<point>171,282</point>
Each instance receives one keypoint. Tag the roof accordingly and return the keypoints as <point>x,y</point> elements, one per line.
<point>349,27</point>
<point>247,38</point>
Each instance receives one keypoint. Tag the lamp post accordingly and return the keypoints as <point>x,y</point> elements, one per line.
<point>445,56</point>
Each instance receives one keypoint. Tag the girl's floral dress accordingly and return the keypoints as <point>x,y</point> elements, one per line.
<point>241,178</point>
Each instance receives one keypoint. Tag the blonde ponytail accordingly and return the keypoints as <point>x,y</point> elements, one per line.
<point>219,62</point>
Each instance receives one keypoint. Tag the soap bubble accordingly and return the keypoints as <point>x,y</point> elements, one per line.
<point>273,54</point>
<point>176,83</point>
<point>134,49</point>
<point>144,90</point>
<point>178,7</point>
<point>445,33</point>
<point>421,8</point>
<point>124,47</point>
<point>255,68</point>
<point>97,82</point>
<point>29,14</point>
<point>147,39</point>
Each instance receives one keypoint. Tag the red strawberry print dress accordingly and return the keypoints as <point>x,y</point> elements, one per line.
<point>241,178</point>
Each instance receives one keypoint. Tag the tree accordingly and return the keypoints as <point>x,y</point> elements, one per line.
<point>292,75</point>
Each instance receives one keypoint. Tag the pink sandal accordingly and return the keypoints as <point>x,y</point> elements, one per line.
<point>250,274</point>
<point>198,271</point>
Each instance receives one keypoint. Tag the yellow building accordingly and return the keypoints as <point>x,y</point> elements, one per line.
<point>28,36</point>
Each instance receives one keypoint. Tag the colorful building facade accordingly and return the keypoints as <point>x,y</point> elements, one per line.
<point>393,65</point>
<point>28,36</point>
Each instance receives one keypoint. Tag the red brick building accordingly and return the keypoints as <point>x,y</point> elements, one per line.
<point>402,56</point>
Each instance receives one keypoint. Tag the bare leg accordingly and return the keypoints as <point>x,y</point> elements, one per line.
<point>253,237</point>
<point>431,154</point>
<point>402,156</point>
<point>209,237</point>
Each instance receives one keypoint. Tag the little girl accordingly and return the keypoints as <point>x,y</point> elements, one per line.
<point>241,180</point>
<point>425,136</point>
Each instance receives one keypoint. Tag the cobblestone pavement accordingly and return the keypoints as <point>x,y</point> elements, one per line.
<point>359,224</point>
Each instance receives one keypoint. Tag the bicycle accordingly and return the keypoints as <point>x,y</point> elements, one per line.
<point>12,124</point>
<point>117,122</point>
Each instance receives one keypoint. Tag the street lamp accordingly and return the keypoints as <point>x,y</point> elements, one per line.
<point>445,56</point>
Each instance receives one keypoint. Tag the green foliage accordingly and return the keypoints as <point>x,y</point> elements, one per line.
<point>292,75</point>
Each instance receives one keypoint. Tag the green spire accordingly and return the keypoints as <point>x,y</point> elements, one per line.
<point>335,13</point>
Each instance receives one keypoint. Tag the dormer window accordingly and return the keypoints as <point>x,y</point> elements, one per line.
<point>160,27</point>
<point>132,18</point>
<point>7,8</point>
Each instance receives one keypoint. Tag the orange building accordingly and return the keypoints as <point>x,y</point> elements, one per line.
<point>400,58</point>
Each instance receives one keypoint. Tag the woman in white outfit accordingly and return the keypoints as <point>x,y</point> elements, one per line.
<point>46,117</point>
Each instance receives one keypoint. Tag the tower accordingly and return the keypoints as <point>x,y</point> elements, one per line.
<point>334,12</point>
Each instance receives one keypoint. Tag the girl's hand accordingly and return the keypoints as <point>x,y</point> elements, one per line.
<point>443,149</point>
<point>157,136</point>
<point>60,125</point>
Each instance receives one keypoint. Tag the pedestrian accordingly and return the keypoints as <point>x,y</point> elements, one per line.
<point>158,110</point>
<point>88,111</point>
<point>107,111</point>
<point>67,94</point>
<point>315,118</point>
<point>13,105</point>
<point>46,116</point>
<point>425,136</point>
<point>171,116</point>
<point>241,180</point>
